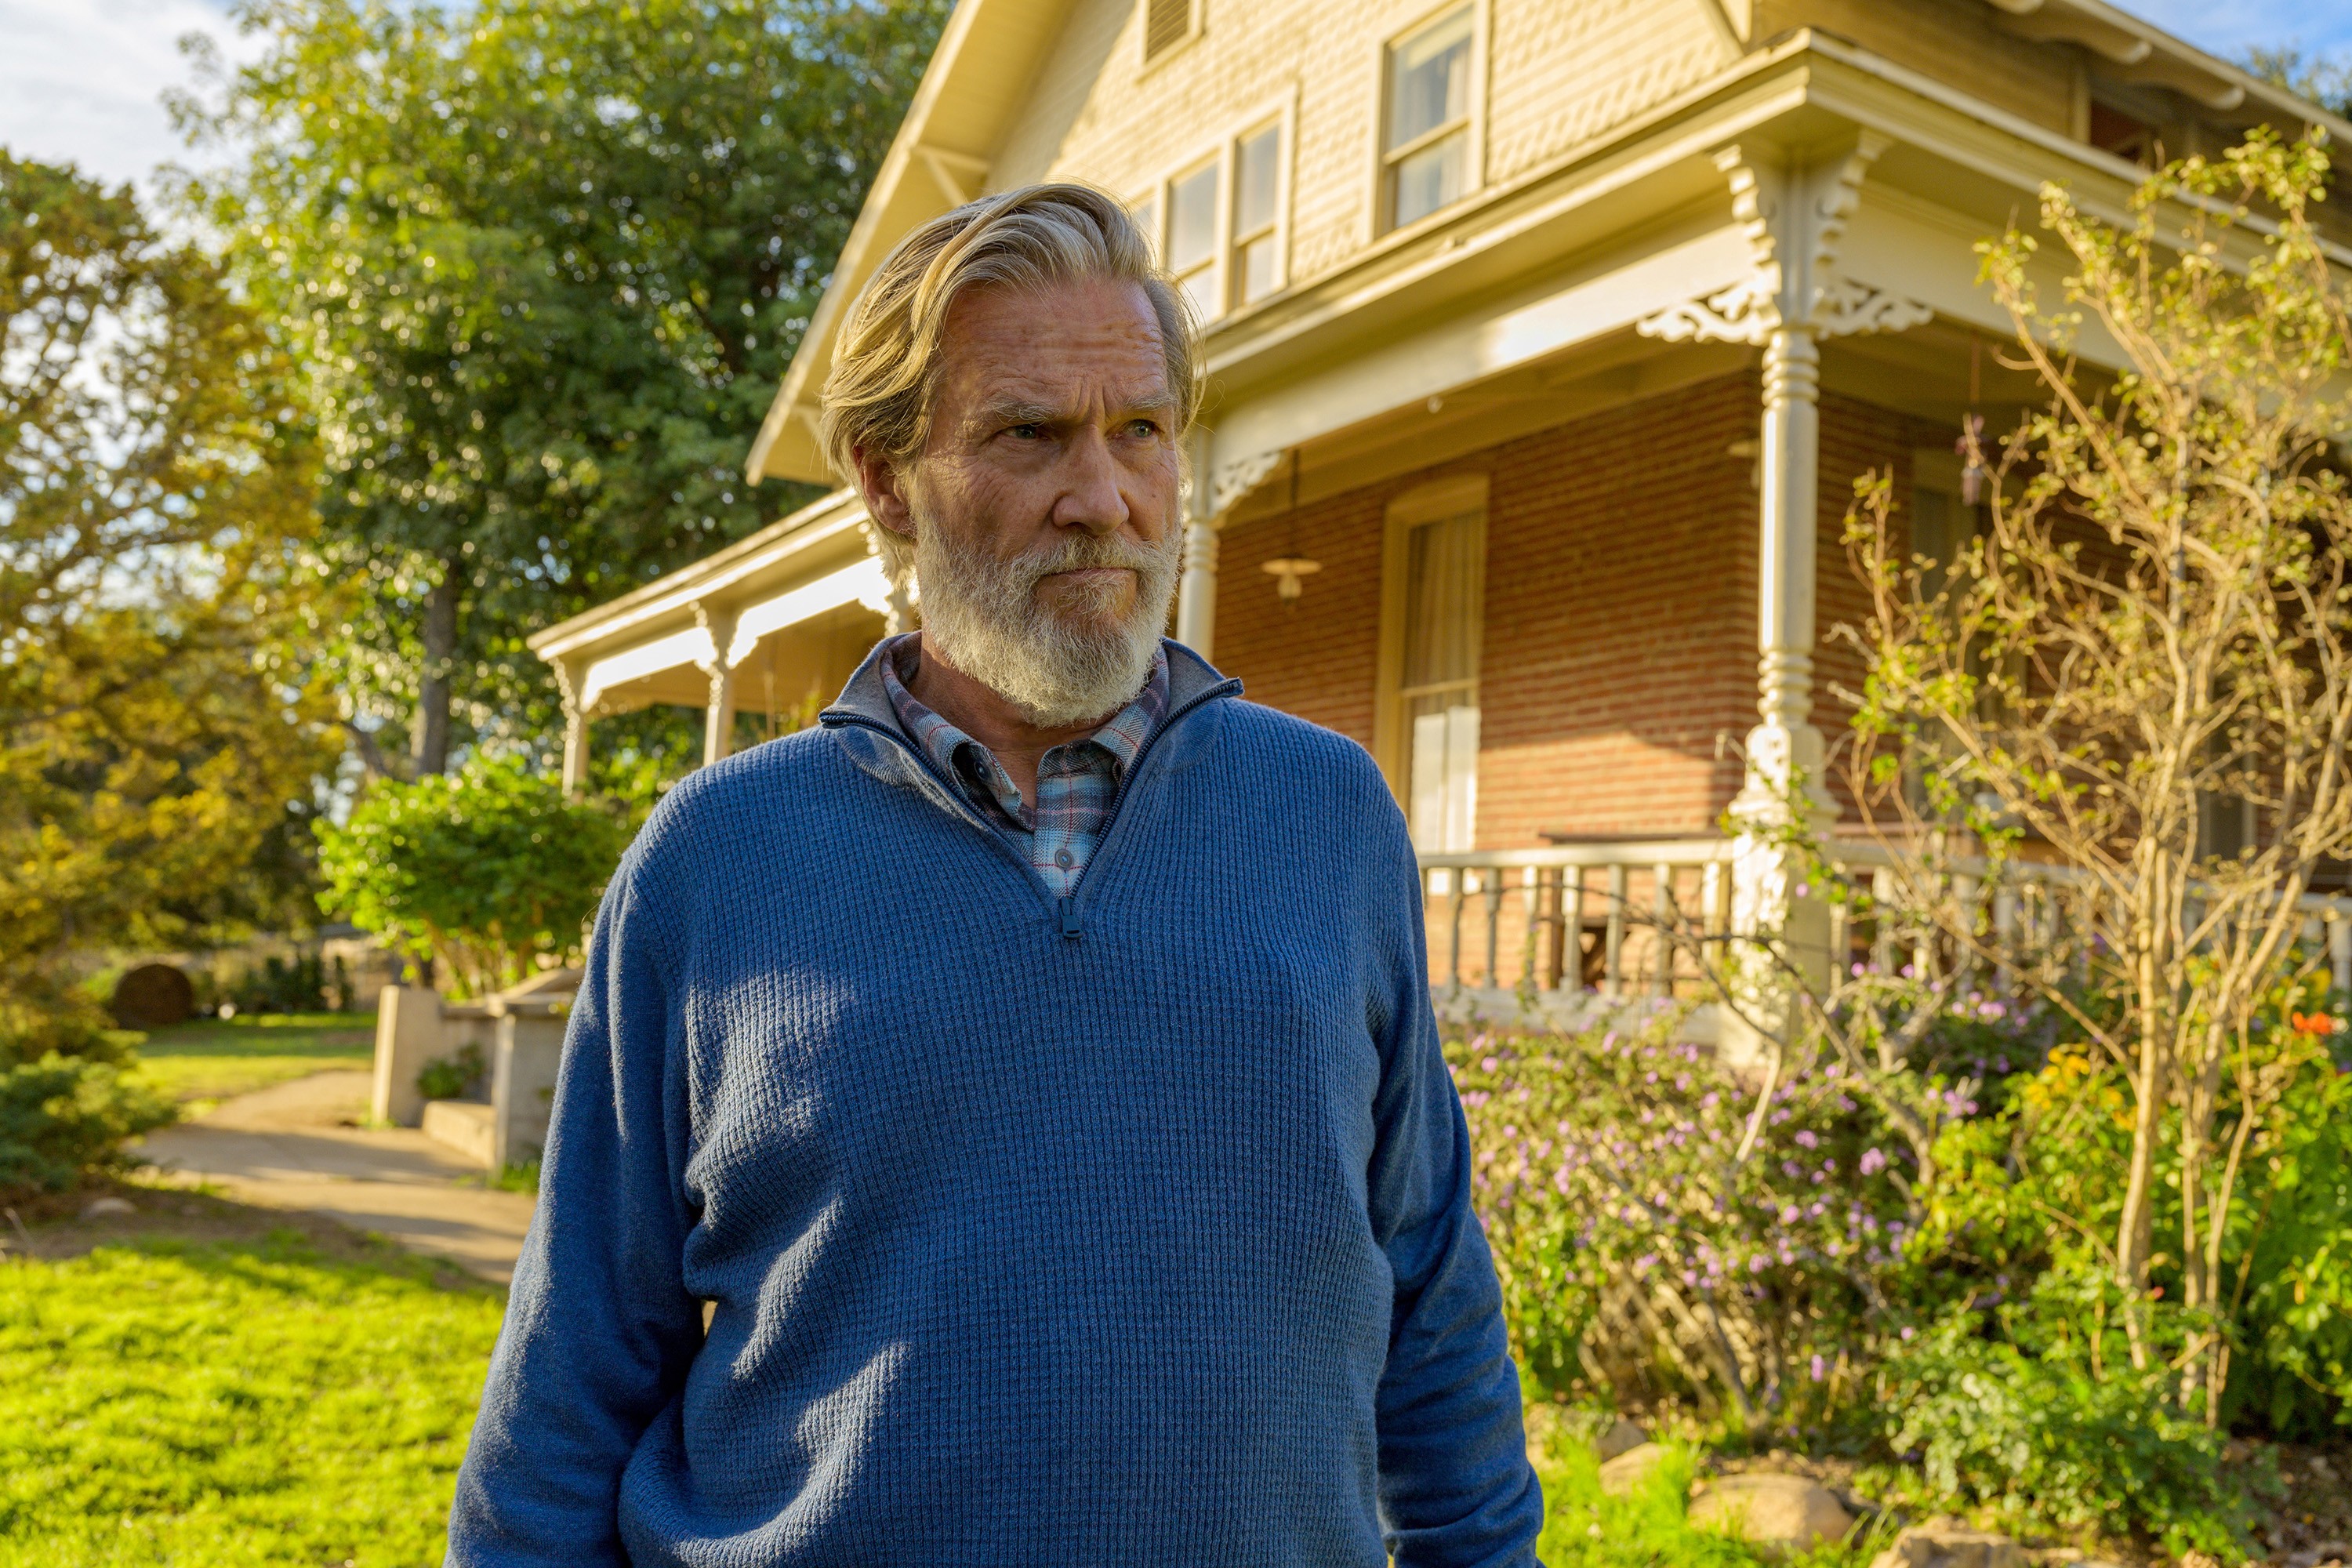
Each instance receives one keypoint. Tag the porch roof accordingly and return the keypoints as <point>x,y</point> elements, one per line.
<point>652,644</point>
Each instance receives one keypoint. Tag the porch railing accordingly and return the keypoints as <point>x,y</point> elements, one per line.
<point>1589,918</point>
<point>1565,917</point>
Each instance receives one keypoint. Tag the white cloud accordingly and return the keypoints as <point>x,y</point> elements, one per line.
<point>81,81</point>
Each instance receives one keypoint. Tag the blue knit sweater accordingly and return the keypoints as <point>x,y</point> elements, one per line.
<point>1127,1228</point>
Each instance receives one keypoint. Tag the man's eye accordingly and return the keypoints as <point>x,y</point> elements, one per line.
<point>1027,432</point>
<point>1143,429</point>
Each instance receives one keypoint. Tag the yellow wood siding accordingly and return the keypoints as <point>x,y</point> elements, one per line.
<point>1556,76</point>
<point>1564,74</point>
<point>1952,43</point>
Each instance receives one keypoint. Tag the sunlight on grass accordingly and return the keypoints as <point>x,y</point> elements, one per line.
<point>234,1403</point>
<point>214,1059</point>
<point>1583,1528</point>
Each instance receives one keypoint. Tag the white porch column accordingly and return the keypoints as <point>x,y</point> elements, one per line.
<point>575,749</point>
<point>1793,217</point>
<point>719,713</point>
<point>1785,750</point>
<point>569,678</point>
<point>1196,593</point>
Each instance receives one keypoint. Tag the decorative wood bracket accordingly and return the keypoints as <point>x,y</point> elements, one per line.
<point>718,625</point>
<point>1236,479</point>
<point>1792,217</point>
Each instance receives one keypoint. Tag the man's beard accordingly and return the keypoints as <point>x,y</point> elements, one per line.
<point>1059,666</point>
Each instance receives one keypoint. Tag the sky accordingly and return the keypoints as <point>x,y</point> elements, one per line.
<point>81,81</point>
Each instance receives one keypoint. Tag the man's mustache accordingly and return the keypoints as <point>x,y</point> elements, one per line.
<point>1087,552</point>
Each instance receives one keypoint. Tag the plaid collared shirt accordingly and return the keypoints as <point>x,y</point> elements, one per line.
<point>1077,781</point>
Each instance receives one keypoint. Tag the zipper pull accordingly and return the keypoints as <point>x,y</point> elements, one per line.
<point>1067,909</point>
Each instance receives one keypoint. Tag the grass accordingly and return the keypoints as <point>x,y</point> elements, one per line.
<point>1584,1529</point>
<point>274,1398</point>
<point>214,1058</point>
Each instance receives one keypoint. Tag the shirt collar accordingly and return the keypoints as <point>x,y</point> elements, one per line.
<point>960,757</point>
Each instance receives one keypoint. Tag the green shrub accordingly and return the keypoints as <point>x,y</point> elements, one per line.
<point>483,870</point>
<point>63,1119</point>
<point>2024,1217</point>
<point>66,1103</point>
<point>452,1076</point>
<point>2045,1444</point>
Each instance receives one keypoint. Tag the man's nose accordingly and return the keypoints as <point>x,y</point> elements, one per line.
<point>1091,498</point>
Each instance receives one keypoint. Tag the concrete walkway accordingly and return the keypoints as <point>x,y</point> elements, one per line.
<point>292,1147</point>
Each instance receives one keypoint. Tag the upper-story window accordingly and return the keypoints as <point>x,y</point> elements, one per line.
<point>1217,222</point>
<point>1192,244</point>
<point>1425,143</point>
<point>1166,24</point>
<point>1257,215</point>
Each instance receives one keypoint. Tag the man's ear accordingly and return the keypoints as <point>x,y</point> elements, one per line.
<point>883,488</point>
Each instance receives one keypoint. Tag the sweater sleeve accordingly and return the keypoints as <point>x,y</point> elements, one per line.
<point>1455,1485</point>
<point>599,1330</point>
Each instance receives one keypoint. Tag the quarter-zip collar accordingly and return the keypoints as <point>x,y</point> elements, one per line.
<point>865,724</point>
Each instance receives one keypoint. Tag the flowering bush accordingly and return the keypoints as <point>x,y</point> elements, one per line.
<point>1664,1227</point>
<point>2020,1229</point>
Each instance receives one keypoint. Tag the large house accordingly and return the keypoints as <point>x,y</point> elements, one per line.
<point>1546,339</point>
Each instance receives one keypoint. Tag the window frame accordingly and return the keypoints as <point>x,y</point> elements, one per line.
<point>1450,496</point>
<point>1472,126</point>
<point>1282,120</point>
<point>1224,153</point>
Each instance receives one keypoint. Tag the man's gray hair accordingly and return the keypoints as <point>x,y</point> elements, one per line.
<point>886,360</point>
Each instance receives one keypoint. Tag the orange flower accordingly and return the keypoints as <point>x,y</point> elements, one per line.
<point>2312,1023</point>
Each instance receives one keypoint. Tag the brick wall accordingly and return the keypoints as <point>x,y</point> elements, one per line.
<point>1621,587</point>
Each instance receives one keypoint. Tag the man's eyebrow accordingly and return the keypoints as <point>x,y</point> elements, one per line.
<point>1020,411</point>
<point>1024,411</point>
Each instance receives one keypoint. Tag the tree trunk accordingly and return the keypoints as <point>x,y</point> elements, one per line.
<point>2135,1226</point>
<point>429,736</point>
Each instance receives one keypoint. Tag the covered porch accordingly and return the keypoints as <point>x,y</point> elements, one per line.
<point>752,637</point>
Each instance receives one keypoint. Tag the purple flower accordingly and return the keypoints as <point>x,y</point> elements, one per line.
<point>1873,1162</point>
<point>1491,1063</point>
<point>1807,1140</point>
<point>1821,1368</point>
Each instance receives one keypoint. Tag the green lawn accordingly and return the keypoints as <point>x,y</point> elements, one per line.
<point>214,1058</point>
<point>1583,1528</point>
<point>235,1404</point>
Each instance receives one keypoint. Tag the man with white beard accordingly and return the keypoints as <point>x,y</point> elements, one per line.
<point>1032,1066</point>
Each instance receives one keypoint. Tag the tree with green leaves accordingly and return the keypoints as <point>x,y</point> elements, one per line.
<point>2151,633</point>
<point>543,262</point>
<point>161,724</point>
<point>482,870</point>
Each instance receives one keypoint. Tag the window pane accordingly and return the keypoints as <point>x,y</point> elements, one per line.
<point>1258,268</point>
<point>1192,218</point>
<point>1201,287</point>
<point>1432,178</point>
<point>1442,771</point>
<point>1257,176</point>
<point>1445,569</point>
<point>1147,218</point>
<point>1429,78</point>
